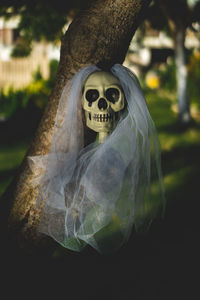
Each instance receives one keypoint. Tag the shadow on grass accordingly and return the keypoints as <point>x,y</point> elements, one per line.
<point>178,127</point>
<point>21,126</point>
<point>6,178</point>
<point>159,264</point>
<point>7,174</point>
<point>181,157</point>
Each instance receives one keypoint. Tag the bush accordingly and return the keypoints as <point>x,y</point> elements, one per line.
<point>34,96</point>
<point>12,101</point>
<point>21,110</point>
<point>168,76</point>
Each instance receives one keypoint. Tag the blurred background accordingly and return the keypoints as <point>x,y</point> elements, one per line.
<point>165,55</point>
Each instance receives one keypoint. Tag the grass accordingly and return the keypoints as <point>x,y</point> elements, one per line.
<point>180,146</point>
<point>160,265</point>
<point>11,156</point>
<point>180,149</point>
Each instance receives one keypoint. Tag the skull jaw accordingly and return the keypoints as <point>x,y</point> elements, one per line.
<point>102,127</point>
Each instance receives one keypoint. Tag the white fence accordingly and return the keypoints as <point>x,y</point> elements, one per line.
<point>18,72</point>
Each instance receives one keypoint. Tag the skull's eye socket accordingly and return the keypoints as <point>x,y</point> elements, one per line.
<point>92,95</point>
<point>112,95</point>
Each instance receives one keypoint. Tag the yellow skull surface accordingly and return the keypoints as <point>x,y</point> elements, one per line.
<point>102,101</point>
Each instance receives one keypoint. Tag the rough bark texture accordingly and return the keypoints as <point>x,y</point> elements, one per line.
<point>99,35</point>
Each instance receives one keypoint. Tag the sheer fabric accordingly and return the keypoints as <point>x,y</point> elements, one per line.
<point>95,194</point>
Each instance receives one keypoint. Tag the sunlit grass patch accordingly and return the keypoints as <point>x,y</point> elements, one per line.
<point>175,179</point>
<point>179,139</point>
<point>161,106</point>
<point>159,103</point>
<point>180,146</point>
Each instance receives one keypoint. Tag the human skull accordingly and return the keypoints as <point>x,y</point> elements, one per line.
<point>102,101</point>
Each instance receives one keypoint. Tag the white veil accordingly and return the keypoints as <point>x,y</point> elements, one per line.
<point>95,194</point>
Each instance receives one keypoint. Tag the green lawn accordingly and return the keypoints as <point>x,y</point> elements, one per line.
<point>180,147</point>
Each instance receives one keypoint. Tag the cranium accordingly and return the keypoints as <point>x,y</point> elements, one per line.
<point>103,101</point>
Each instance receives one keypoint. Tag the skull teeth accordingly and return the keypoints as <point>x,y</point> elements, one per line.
<point>102,117</point>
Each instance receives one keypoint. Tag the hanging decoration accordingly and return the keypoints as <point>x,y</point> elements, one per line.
<point>93,194</point>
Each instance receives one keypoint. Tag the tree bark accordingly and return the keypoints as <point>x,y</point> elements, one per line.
<point>99,35</point>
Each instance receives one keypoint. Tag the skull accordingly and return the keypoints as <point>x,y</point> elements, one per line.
<point>102,101</point>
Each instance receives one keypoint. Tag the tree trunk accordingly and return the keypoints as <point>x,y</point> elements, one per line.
<point>99,35</point>
<point>177,16</point>
<point>182,75</point>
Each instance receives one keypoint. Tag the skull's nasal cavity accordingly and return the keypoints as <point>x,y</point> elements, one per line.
<point>102,104</point>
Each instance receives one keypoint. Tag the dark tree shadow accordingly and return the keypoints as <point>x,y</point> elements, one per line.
<point>160,264</point>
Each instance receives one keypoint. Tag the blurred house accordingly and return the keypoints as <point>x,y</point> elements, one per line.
<point>147,49</point>
<point>18,72</point>
<point>155,48</point>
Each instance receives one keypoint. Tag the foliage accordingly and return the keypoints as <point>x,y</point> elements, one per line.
<point>39,20</point>
<point>22,48</point>
<point>168,76</point>
<point>185,11</point>
<point>33,97</point>
<point>53,66</point>
<point>21,110</point>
